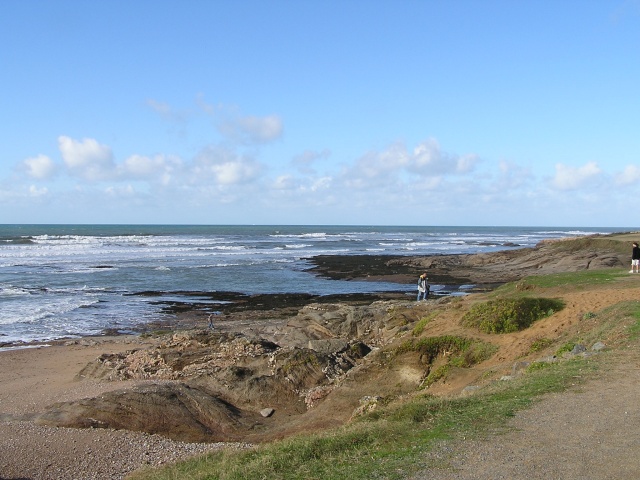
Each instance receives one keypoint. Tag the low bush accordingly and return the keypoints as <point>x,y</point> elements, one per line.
<point>461,353</point>
<point>540,344</point>
<point>509,315</point>
<point>567,347</point>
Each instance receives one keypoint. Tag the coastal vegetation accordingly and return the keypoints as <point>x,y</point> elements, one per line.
<point>509,314</point>
<point>402,434</point>
<point>389,443</point>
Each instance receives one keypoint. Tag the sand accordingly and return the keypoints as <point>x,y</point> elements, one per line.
<point>33,378</point>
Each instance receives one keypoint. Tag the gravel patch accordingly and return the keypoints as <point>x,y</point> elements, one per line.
<point>28,451</point>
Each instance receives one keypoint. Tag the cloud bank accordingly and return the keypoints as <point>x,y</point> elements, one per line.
<point>231,179</point>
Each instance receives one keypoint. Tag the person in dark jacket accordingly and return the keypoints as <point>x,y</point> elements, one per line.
<point>635,259</point>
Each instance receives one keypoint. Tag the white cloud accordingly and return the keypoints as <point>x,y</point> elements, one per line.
<point>429,160</point>
<point>121,191</point>
<point>511,176</point>
<point>629,176</point>
<point>87,159</point>
<point>142,167</point>
<point>386,167</point>
<point>206,107</point>
<point>157,168</point>
<point>304,162</point>
<point>224,167</point>
<point>167,112</point>
<point>390,160</point>
<point>40,167</point>
<point>37,192</point>
<point>284,182</point>
<point>321,184</point>
<point>252,130</point>
<point>571,178</point>
<point>230,173</point>
<point>381,182</point>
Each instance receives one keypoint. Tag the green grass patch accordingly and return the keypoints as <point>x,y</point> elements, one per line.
<point>508,315</point>
<point>570,280</point>
<point>462,352</point>
<point>433,346</point>
<point>422,323</point>
<point>389,443</point>
<point>632,310</point>
<point>540,344</point>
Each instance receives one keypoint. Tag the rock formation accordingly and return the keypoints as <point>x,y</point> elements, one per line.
<point>315,365</point>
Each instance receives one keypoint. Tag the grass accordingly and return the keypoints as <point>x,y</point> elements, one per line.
<point>633,314</point>
<point>540,344</point>
<point>389,443</point>
<point>507,315</point>
<point>614,325</point>
<point>568,280</point>
<point>422,323</point>
<point>462,352</point>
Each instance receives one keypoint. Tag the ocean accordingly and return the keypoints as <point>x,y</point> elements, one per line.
<point>61,281</point>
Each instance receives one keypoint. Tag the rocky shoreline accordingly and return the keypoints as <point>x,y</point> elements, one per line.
<point>273,366</point>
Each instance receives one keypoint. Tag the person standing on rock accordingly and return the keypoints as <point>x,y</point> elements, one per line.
<point>635,259</point>
<point>423,287</point>
<point>210,326</point>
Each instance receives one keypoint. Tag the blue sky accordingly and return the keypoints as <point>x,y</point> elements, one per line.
<point>460,112</point>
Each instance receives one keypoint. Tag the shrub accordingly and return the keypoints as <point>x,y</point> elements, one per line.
<point>435,375</point>
<point>432,346</point>
<point>540,344</point>
<point>459,352</point>
<point>567,347</point>
<point>509,315</point>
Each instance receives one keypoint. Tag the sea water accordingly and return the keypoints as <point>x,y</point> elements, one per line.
<point>71,280</point>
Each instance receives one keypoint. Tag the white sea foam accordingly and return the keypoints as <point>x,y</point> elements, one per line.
<point>36,312</point>
<point>76,280</point>
<point>11,291</point>
<point>23,347</point>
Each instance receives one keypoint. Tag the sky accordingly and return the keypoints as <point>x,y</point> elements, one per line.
<point>341,112</point>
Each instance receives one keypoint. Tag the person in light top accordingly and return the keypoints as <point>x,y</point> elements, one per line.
<point>423,287</point>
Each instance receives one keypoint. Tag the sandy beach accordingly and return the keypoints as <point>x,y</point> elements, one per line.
<point>33,378</point>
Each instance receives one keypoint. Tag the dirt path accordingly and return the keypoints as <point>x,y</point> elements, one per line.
<point>592,433</point>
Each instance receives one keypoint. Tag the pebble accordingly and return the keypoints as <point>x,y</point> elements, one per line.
<point>43,453</point>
